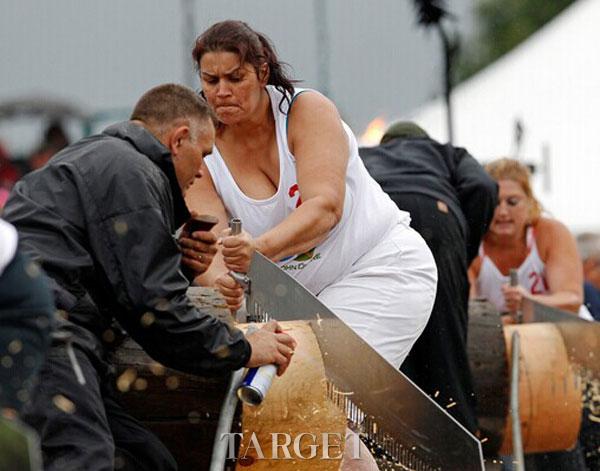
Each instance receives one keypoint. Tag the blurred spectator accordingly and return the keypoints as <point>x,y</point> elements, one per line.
<point>451,201</point>
<point>589,250</point>
<point>54,140</point>
<point>3,196</point>
<point>41,156</point>
<point>26,309</point>
<point>55,136</point>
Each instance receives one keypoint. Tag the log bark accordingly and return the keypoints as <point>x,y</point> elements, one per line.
<point>181,409</point>
<point>489,366</point>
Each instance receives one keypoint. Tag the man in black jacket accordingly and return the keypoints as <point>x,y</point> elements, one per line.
<point>451,201</point>
<point>99,218</point>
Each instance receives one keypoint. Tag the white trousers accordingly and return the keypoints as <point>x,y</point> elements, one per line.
<point>388,295</point>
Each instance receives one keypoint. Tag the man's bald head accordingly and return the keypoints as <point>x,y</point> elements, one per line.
<point>166,106</point>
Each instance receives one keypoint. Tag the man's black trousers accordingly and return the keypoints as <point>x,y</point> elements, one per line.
<point>438,361</point>
<point>82,427</point>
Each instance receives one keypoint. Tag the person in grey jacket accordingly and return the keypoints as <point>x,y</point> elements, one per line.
<point>99,219</point>
<point>451,201</point>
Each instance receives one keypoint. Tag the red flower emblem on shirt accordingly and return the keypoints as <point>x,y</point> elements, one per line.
<point>292,191</point>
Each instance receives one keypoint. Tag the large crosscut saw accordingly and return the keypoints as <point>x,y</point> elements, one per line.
<point>393,414</point>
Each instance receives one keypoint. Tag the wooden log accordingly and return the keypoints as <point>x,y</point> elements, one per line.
<point>181,409</point>
<point>296,405</point>
<point>489,366</point>
<point>549,390</point>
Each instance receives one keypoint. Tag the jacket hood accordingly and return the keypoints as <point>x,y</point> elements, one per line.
<point>146,143</point>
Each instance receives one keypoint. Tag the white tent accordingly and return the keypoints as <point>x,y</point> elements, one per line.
<point>551,83</point>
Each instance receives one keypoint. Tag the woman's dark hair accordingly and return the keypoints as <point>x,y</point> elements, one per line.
<point>251,46</point>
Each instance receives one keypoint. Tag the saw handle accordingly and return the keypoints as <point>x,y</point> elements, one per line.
<point>514,277</point>
<point>514,281</point>
<point>241,279</point>
<point>235,224</point>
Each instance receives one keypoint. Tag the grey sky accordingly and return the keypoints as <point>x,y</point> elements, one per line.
<point>105,54</point>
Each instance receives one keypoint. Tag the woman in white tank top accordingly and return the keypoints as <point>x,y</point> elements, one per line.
<point>294,177</point>
<point>542,250</point>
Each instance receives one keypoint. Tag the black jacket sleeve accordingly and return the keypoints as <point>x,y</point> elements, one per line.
<point>142,262</point>
<point>478,196</point>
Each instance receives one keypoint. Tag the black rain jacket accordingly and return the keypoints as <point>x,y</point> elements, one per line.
<point>440,171</point>
<point>99,218</point>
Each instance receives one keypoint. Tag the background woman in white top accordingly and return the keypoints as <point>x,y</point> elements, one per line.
<point>541,249</point>
<point>294,177</point>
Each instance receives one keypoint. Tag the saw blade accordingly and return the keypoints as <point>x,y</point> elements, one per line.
<point>395,413</point>
<point>581,337</point>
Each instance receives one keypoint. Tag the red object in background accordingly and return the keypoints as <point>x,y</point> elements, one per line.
<point>3,196</point>
<point>9,174</point>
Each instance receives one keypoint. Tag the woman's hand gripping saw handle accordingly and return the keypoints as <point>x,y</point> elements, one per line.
<point>242,279</point>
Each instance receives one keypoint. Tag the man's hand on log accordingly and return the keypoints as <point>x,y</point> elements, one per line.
<point>198,250</point>
<point>271,346</point>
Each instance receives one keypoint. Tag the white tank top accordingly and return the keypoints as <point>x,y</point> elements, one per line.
<point>531,274</point>
<point>369,214</point>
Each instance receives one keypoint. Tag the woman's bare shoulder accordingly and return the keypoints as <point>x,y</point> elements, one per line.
<point>475,266</point>
<point>312,104</point>
<point>550,234</point>
<point>312,114</point>
<point>311,96</point>
<point>549,228</point>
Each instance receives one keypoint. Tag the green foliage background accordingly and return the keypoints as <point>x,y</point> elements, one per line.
<point>502,25</point>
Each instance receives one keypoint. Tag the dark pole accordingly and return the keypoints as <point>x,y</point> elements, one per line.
<point>448,50</point>
<point>188,31</point>
<point>430,14</point>
<point>322,36</point>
